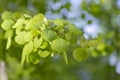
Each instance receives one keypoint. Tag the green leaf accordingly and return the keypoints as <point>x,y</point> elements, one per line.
<point>59,22</point>
<point>34,32</point>
<point>6,15</point>
<point>44,45</point>
<point>37,42</point>
<point>20,38</point>
<point>65,57</point>
<point>28,37</point>
<point>27,16</point>
<point>34,58</point>
<point>8,43</point>
<point>43,54</point>
<point>60,45</point>
<point>49,35</point>
<point>80,54</point>
<point>71,37</point>
<point>7,24</point>
<point>20,22</point>
<point>101,47</point>
<point>90,43</point>
<point>28,48</point>
<point>36,22</point>
<point>73,29</point>
<point>8,34</point>
<point>16,15</point>
<point>39,17</point>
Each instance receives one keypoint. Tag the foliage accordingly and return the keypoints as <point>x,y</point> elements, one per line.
<point>41,37</point>
<point>38,43</point>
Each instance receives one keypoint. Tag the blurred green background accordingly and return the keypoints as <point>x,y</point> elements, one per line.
<point>94,17</point>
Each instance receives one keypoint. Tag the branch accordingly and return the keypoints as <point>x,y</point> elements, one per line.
<point>3,74</point>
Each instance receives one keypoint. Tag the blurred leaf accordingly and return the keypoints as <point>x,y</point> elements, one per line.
<point>8,34</point>
<point>37,42</point>
<point>43,54</point>
<point>28,48</point>
<point>6,15</point>
<point>20,38</point>
<point>49,35</point>
<point>60,45</point>
<point>44,45</point>
<point>7,24</point>
<point>34,58</point>
<point>80,54</point>
<point>8,43</point>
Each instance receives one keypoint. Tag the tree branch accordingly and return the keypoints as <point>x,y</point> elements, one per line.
<point>3,74</point>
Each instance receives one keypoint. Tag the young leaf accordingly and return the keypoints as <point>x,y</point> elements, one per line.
<point>44,45</point>
<point>90,43</point>
<point>34,32</point>
<point>80,54</point>
<point>49,35</point>
<point>34,58</point>
<point>7,15</point>
<point>19,23</point>
<point>8,43</point>
<point>71,37</point>
<point>28,48</point>
<point>39,17</point>
<point>20,38</point>
<point>73,29</point>
<point>7,24</point>
<point>28,37</point>
<point>36,22</point>
<point>16,15</point>
<point>59,22</point>
<point>43,54</point>
<point>37,42</point>
<point>101,47</point>
<point>60,45</point>
<point>8,34</point>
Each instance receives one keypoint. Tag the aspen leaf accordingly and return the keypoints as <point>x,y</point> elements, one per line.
<point>43,54</point>
<point>8,43</point>
<point>7,24</point>
<point>72,28</point>
<point>6,15</point>
<point>44,45</point>
<point>34,58</point>
<point>8,34</point>
<point>49,35</point>
<point>60,45</point>
<point>28,37</point>
<point>28,48</point>
<point>80,54</point>
<point>20,38</point>
<point>37,42</point>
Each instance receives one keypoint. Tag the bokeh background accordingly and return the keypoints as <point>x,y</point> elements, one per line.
<point>93,17</point>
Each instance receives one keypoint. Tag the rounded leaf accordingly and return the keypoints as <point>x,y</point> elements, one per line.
<point>7,24</point>
<point>80,54</point>
<point>7,15</point>
<point>49,35</point>
<point>8,34</point>
<point>20,38</point>
<point>60,45</point>
<point>34,58</point>
<point>71,37</point>
<point>28,37</point>
<point>43,54</point>
<point>37,42</point>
